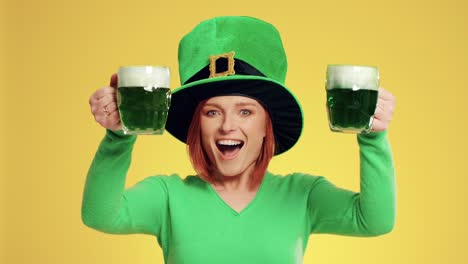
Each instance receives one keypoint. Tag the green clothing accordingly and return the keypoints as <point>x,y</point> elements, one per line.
<point>194,225</point>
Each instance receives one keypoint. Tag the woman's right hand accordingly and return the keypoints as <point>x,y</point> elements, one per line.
<point>103,104</point>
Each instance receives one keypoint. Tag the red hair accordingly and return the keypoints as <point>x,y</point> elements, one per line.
<point>202,164</point>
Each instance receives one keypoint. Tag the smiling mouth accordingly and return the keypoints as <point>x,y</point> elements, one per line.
<point>229,148</point>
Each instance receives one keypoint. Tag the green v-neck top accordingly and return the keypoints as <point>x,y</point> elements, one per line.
<point>194,225</point>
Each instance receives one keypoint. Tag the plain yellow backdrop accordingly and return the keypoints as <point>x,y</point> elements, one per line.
<point>55,53</point>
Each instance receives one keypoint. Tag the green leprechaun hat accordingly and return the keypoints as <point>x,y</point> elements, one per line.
<point>235,56</point>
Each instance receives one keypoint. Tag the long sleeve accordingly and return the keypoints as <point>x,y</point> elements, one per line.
<point>370,212</point>
<point>107,206</point>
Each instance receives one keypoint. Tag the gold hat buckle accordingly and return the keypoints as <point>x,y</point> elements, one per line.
<point>230,71</point>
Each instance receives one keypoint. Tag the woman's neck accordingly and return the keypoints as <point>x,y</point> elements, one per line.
<point>235,184</point>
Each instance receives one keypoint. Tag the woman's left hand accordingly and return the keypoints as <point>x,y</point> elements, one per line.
<point>384,111</point>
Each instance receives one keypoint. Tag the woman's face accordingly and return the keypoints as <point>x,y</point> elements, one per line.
<point>232,133</point>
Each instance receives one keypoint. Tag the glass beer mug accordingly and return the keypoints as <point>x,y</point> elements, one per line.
<point>352,93</point>
<point>143,99</point>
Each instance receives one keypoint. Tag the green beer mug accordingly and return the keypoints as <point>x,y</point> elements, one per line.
<point>352,93</point>
<point>143,99</point>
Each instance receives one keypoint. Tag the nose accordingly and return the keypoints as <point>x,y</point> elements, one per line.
<point>229,123</point>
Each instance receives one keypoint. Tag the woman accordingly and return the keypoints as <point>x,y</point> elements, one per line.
<point>234,120</point>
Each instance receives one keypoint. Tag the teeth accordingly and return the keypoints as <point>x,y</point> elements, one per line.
<point>229,142</point>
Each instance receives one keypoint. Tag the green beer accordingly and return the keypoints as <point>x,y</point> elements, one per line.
<point>352,93</point>
<point>144,110</point>
<point>348,109</point>
<point>143,99</point>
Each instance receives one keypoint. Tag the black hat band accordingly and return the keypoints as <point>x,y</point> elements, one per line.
<point>240,67</point>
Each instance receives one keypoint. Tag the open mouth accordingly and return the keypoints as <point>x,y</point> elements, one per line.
<point>229,147</point>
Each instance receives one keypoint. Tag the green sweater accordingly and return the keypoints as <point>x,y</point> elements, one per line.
<point>194,225</point>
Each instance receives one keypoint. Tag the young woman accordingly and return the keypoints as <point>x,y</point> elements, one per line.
<point>234,122</point>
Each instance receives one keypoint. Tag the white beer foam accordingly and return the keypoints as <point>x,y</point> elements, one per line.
<point>352,77</point>
<point>146,76</point>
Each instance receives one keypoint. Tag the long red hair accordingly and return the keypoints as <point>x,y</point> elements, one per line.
<point>202,164</point>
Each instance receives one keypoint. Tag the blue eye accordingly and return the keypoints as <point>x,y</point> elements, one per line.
<point>211,112</point>
<point>245,112</point>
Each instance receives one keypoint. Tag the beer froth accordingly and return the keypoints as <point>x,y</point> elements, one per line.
<point>352,77</point>
<point>143,76</point>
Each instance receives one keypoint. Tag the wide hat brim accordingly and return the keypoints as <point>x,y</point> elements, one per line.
<point>284,109</point>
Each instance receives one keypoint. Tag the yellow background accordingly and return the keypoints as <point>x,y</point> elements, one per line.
<point>55,53</point>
